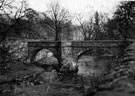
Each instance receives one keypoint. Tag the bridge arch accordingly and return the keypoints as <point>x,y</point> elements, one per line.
<point>34,51</point>
<point>82,53</point>
<point>43,50</point>
<point>90,59</point>
<point>33,55</point>
<point>97,52</point>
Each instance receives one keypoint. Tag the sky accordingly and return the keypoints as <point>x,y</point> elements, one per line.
<point>84,7</point>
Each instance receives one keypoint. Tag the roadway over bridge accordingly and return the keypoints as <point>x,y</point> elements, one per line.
<point>75,49</point>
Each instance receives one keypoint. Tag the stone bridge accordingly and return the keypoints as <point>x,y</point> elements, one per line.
<point>63,50</point>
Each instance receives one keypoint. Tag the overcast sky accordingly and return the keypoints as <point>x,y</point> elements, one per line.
<point>85,7</point>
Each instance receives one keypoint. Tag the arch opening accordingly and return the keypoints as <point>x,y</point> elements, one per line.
<point>94,61</point>
<point>46,59</point>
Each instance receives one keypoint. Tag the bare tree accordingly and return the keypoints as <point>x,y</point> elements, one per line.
<point>60,19</point>
<point>94,27</point>
<point>13,10</point>
<point>87,27</point>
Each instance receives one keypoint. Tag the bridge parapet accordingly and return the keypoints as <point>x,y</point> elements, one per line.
<point>43,43</point>
<point>90,43</point>
<point>99,43</point>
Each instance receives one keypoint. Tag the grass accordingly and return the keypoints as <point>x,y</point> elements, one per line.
<point>53,88</point>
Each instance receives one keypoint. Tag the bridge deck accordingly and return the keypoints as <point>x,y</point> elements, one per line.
<point>90,43</point>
